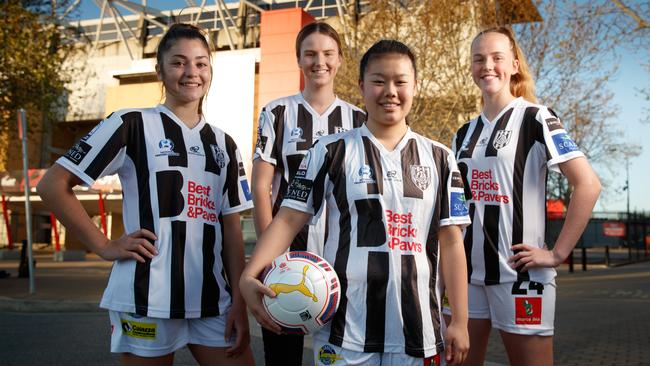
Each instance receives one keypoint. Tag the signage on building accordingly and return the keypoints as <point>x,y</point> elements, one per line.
<point>614,229</point>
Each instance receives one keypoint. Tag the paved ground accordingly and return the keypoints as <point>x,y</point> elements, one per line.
<point>603,316</point>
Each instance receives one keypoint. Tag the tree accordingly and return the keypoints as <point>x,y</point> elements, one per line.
<point>34,48</point>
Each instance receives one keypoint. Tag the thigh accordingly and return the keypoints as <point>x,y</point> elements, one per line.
<point>146,337</point>
<point>215,356</point>
<point>326,354</point>
<point>528,350</point>
<point>524,307</point>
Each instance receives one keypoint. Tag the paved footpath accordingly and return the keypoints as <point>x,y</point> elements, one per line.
<point>603,315</point>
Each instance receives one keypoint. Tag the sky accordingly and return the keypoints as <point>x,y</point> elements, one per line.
<point>630,77</point>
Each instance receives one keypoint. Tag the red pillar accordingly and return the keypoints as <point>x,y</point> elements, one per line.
<point>102,214</point>
<point>55,233</point>
<point>5,215</point>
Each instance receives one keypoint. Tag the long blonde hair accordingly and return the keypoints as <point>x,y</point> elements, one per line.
<point>521,83</point>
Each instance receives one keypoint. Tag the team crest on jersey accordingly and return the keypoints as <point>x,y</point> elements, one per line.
<point>421,176</point>
<point>339,129</point>
<point>219,155</point>
<point>327,355</point>
<point>166,148</point>
<point>501,139</point>
<point>296,135</point>
<point>365,175</point>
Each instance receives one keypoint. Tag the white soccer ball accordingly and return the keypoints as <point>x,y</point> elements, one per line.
<point>307,292</point>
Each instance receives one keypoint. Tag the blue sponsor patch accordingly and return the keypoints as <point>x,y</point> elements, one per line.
<point>458,206</point>
<point>564,143</point>
<point>247,191</point>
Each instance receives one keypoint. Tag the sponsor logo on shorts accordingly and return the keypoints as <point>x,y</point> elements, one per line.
<point>501,139</point>
<point>421,176</point>
<point>140,330</point>
<point>432,361</point>
<point>554,124</point>
<point>564,143</point>
<point>327,355</point>
<point>528,310</point>
<point>299,189</point>
<point>78,152</point>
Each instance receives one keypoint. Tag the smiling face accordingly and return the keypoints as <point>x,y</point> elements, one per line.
<point>493,64</point>
<point>319,60</point>
<point>185,72</point>
<point>388,86</point>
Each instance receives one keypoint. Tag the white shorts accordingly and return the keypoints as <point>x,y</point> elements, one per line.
<point>326,354</point>
<point>153,337</point>
<point>524,307</point>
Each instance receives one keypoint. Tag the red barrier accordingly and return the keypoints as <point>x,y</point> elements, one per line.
<point>102,214</point>
<point>55,233</point>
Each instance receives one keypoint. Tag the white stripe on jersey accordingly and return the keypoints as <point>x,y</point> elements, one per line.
<point>288,127</point>
<point>504,165</point>
<point>384,211</point>
<point>178,183</point>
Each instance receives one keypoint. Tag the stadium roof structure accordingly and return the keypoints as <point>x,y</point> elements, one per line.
<point>232,24</point>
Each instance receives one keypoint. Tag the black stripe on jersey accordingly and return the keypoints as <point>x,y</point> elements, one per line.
<point>462,167</point>
<point>278,127</point>
<point>169,184</point>
<point>440,156</point>
<point>410,157</point>
<point>174,132</point>
<point>209,139</point>
<point>468,241</point>
<point>377,280</point>
<point>318,186</point>
<point>136,149</point>
<point>460,137</point>
<point>432,248</point>
<point>223,273</point>
<point>231,186</point>
<point>469,150</point>
<point>373,160</point>
<point>293,162</point>
<point>411,311</point>
<point>501,124</point>
<point>112,146</point>
<point>531,131</point>
<point>210,291</point>
<point>177,280</point>
<point>491,244</point>
<point>306,124</point>
<point>358,118</point>
<point>337,174</point>
<point>334,120</point>
<point>371,230</point>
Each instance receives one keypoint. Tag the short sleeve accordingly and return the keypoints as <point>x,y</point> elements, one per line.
<point>100,153</point>
<point>265,137</point>
<point>560,147</point>
<point>454,210</point>
<point>306,192</point>
<point>237,195</point>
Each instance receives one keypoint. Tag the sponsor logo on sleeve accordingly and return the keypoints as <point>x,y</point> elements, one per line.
<point>564,143</point>
<point>554,124</point>
<point>218,155</point>
<point>421,176</point>
<point>78,152</point>
<point>327,355</point>
<point>528,310</point>
<point>261,139</point>
<point>304,165</point>
<point>458,204</point>
<point>501,139</point>
<point>299,189</point>
<point>138,329</point>
<point>246,190</point>
<point>456,180</point>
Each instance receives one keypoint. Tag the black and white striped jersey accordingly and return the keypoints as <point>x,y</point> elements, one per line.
<point>287,128</point>
<point>504,165</point>
<point>178,183</point>
<point>385,209</point>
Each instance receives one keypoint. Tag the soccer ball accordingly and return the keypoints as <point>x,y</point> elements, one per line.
<point>307,292</point>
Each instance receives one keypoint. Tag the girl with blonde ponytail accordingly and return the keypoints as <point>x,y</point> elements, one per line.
<point>504,156</point>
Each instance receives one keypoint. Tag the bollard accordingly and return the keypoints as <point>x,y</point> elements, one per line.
<point>571,262</point>
<point>584,258</point>
<point>607,256</point>
<point>23,268</point>
<point>629,252</point>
